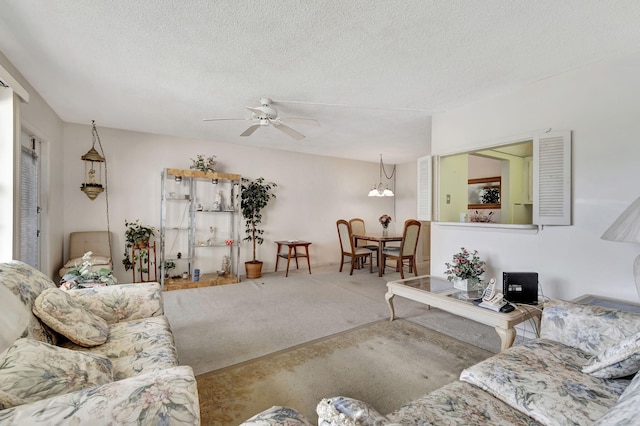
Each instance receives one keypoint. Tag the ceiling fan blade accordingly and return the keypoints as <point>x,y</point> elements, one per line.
<point>250,130</point>
<point>221,119</point>
<point>309,121</point>
<point>288,130</point>
<point>256,111</point>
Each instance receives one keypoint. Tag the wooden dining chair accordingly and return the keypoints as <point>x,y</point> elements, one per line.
<point>348,248</point>
<point>358,228</point>
<point>407,249</point>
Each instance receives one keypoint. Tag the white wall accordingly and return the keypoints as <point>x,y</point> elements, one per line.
<point>313,191</point>
<point>600,105</point>
<point>39,120</point>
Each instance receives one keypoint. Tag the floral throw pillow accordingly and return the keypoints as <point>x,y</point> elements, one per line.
<point>31,370</point>
<point>70,318</point>
<point>619,360</point>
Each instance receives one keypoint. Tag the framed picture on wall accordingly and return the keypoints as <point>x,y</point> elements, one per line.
<point>484,193</point>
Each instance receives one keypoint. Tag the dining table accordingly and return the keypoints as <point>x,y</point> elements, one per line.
<point>379,238</point>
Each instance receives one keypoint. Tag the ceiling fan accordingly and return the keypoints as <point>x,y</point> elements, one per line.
<point>264,115</point>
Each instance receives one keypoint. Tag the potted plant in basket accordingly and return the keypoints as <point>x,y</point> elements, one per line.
<point>254,197</point>
<point>465,270</point>
<point>84,275</point>
<point>137,235</point>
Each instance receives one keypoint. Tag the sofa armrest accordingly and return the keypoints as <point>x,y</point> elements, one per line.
<point>589,328</point>
<point>167,397</point>
<point>122,302</point>
<point>277,415</point>
<point>344,411</point>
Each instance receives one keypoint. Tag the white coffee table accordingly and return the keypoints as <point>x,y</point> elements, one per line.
<point>439,293</point>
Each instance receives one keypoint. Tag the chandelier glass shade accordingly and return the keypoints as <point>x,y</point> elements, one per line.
<point>382,190</point>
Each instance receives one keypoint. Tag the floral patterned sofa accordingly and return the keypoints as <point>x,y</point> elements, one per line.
<point>102,355</point>
<point>583,370</point>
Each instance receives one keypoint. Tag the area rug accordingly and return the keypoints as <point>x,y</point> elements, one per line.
<point>384,363</point>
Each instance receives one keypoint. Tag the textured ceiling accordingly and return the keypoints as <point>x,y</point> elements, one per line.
<point>371,71</point>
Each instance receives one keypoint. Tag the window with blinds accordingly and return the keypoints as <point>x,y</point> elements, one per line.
<point>29,202</point>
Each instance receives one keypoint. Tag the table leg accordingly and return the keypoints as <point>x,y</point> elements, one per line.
<point>295,254</point>
<point>389,299</point>
<point>380,263</point>
<point>507,337</point>
<point>288,261</point>
<point>277,257</point>
<point>306,249</point>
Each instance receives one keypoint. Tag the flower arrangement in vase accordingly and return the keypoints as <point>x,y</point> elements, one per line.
<point>465,266</point>
<point>384,220</point>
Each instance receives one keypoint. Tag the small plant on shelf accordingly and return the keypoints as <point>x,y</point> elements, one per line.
<point>204,164</point>
<point>169,265</point>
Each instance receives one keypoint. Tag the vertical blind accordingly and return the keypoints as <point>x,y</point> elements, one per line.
<point>29,209</point>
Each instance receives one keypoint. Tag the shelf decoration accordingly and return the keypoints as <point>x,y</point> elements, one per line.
<point>204,164</point>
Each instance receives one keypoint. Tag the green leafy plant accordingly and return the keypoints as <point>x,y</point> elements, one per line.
<point>169,265</point>
<point>254,197</point>
<point>465,265</point>
<point>137,235</point>
<point>82,274</point>
<point>204,164</point>
<point>490,195</point>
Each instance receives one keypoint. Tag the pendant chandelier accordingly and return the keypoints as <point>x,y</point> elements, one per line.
<point>381,190</point>
<point>92,185</point>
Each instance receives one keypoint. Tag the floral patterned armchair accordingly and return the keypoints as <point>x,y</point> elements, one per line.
<point>102,355</point>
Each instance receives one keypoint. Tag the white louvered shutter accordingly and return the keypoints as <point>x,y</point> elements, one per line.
<point>552,178</point>
<point>425,188</point>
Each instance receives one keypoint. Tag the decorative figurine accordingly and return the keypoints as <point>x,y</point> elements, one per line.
<point>217,205</point>
<point>225,265</point>
<point>212,235</point>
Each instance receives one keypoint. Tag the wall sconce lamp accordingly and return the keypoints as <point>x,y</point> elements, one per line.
<point>380,190</point>
<point>626,228</point>
<point>92,185</point>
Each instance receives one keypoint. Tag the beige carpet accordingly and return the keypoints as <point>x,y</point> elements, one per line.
<point>216,327</point>
<point>384,363</point>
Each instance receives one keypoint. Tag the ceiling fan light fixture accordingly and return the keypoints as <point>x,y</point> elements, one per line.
<point>266,115</point>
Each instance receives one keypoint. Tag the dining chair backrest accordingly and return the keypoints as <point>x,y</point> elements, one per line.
<point>346,237</point>
<point>410,237</point>
<point>357,226</point>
